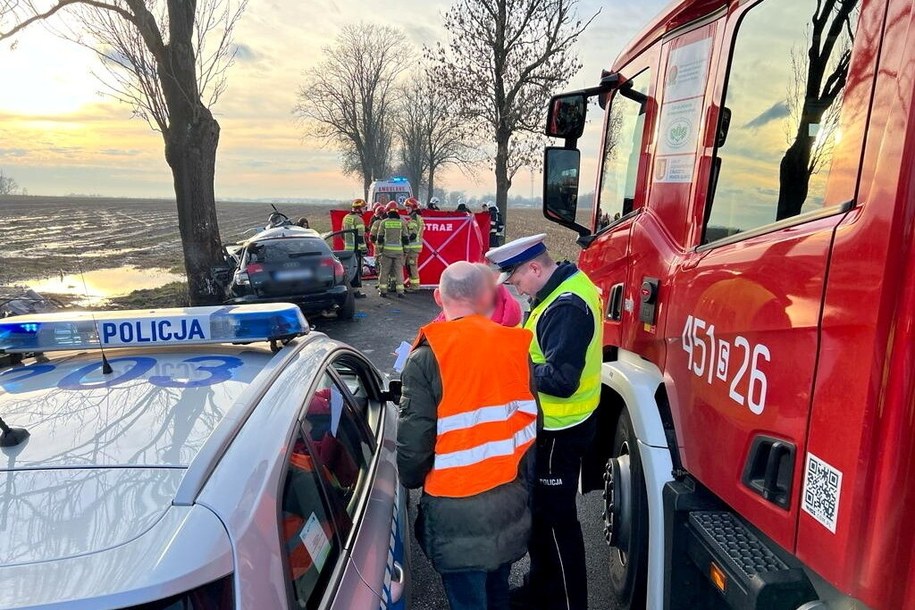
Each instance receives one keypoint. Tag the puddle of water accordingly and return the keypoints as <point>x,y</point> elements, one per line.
<point>103,284</point>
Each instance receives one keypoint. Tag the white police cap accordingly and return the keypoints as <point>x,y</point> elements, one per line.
<point>517,252</point>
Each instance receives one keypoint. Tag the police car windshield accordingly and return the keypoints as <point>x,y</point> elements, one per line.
<point>286,249</point>
<point>157,407</point>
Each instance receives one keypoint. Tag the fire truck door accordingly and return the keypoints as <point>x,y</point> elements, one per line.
<point>627,130</point>
<point>744,306</point>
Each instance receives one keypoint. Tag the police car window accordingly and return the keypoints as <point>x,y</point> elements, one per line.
<point>310,530</point>
<point>284,250</point>
<point>784,91</point>
<point>625,129</point>
<point>341,443</point>
<point>352,373</point>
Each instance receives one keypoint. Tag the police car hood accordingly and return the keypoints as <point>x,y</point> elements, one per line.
<point>61,513</point>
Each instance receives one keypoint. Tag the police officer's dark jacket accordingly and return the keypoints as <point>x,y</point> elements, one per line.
<point>564,332</point>
<point>481,532</point>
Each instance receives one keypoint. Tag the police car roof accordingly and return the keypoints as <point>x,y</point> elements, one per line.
<point>156,409</point>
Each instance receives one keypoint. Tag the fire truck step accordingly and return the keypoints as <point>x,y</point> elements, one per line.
<point>742,566</point>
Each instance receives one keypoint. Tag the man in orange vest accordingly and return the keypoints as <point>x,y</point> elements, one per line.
<point>467,424</point>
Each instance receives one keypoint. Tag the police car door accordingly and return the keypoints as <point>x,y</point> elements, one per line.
<point>744,304</point>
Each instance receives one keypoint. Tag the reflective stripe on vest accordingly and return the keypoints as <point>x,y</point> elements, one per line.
<point>487,418</point>
<point>392,233</point>
<point>559,413</point>
<point>415,226</point>
<point>352,221</point>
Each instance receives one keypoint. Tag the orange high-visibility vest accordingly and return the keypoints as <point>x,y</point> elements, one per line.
<point>487,417</point>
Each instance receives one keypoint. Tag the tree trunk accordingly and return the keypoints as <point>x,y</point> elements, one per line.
<point>794,169</point>
<point>503,181</point>
<point>431,188</point>
<point>190,150</point>
<point>366,183</point>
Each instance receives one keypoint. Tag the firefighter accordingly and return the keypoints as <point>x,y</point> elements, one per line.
<point>566,351</point>
<point>496,226</point>
<point>412,250</point>
<point>433,204</point>
<point>390,236</point>
<point>354,241</point>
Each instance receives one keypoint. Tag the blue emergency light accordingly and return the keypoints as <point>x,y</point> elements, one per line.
<point>151,328</point>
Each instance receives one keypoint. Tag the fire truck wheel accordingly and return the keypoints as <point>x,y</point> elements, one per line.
<point>626,517</point>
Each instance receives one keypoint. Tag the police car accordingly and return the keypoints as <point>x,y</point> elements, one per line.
<point>205,458</point>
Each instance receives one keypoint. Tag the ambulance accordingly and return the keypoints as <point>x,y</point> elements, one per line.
<point>393,189</point>
<point>753,236</point>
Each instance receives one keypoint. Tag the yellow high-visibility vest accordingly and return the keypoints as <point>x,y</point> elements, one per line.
<point>559,413</point>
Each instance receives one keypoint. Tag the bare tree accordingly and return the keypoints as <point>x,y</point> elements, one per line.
<point>167,59</point>
<point>8,186</point>
<point>348,100</point>
<point>819,81</point>
<point>410,121</point>
<point>503,61</point>
<point>432,131</point>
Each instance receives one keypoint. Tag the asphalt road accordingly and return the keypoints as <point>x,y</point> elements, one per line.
<point>378,329</point>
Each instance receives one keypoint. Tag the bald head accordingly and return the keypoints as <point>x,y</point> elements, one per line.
<point>465,289</point>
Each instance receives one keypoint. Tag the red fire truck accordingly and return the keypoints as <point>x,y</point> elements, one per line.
<point>753,236</point>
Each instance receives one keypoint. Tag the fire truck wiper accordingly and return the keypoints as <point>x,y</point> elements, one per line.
<point>10,437</point>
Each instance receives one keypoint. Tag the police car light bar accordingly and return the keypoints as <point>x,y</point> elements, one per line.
<point>151,327</point>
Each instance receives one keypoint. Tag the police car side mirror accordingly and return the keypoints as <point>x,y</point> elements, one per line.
<point>561,169</point>
<point>394,391</point>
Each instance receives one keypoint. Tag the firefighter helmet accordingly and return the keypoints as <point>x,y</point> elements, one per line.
<point>391,207</point>
<point>358,203</point>
<point>412,203</point>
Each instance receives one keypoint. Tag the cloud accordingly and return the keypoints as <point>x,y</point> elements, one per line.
<point>245,54</point>
<point>13,152</point>
<point>778,110</point>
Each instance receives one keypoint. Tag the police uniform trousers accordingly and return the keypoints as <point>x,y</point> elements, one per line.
<point>558,576</point>
<point>390,267</point>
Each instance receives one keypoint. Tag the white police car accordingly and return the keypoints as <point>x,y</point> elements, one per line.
<point>189,466</point>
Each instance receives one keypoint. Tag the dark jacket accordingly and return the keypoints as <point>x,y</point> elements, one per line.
<point>564,332</point>
<point>480,532</point>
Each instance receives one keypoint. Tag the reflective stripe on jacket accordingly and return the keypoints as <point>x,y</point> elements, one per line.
<point>487,417</point>
<point>353,221</point>
<point>559,412</point>
<point>415,226</point>
<point>392,232</point>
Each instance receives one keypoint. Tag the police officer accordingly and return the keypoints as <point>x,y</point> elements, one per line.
<point>354,241</point>
<point>390,236</point>
<point>412,250</point>
<point>566,351</point>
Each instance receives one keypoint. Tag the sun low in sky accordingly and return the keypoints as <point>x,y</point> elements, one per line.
<point>59,135</point>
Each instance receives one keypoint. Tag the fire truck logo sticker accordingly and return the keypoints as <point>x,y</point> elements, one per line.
<point>678,133</point>
<point>822,488</point>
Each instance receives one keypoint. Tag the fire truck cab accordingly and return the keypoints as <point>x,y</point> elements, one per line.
<point>752,236</point>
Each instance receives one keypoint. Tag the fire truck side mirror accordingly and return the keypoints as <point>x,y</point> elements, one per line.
<point>566,117</point>
<point>561,168</point>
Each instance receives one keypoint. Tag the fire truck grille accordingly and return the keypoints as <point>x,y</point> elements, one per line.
<point>734,540</point>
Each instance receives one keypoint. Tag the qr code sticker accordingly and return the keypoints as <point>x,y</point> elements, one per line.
<point>822,488</point>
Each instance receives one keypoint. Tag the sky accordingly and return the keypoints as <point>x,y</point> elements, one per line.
<point>59,135</point>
